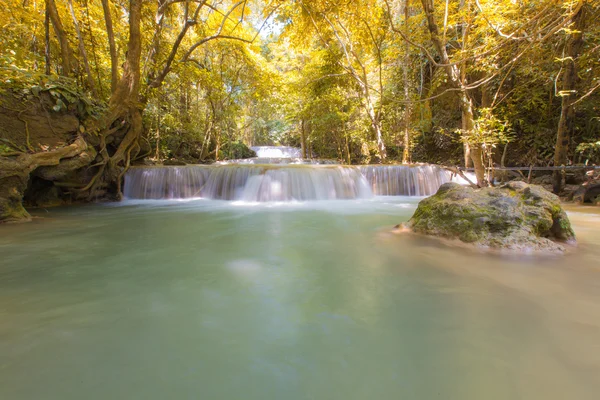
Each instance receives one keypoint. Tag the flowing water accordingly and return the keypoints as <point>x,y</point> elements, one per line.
<point>279,160</point>
<point>208,299</point>
<point>277,151</point>
<point>403,180</point>
<point>285,182</point>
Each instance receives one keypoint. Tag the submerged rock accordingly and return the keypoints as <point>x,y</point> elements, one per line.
<point>517,217</point>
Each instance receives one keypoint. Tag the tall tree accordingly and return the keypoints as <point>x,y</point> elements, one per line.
<point>114,63</point>
<point>406,155</point>
<point>68,62</point>
<point>82,51</point>
<point>566,123</point>
<point>457,78</point>
<point>356,30</point>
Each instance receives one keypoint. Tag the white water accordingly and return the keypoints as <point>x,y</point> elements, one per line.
<point>277,174</point>
<point>294,184</point>
<point>279,160</point>
<point>282,182</point>
<point>251,183</point>
<point>166,182</point>
<point>277,152</point>
<point>405,180</point>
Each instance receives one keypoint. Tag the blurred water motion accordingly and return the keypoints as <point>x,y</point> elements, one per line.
<point>226,300</point>
<point>285,182</point>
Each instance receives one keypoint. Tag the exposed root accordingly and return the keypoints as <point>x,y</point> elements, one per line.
<point>93,180</point>
<point>14,146</point>
<point>27,143</point>
<point>457,171</point>
<point>127,164</point>
<point>138,156</point>
<point>113,168</point>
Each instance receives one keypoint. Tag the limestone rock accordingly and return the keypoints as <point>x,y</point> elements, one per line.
<point>517,217</point>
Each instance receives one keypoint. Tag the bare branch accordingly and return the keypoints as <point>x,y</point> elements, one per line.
<point>175,47</point>
<point>589,93</point>
<point>219,34</point>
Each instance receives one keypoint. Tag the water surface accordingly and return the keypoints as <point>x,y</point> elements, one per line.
<point>216,300</point>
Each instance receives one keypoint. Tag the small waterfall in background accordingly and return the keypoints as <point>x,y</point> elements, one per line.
<point>283,177</point>
<point>279,160</point>
<point>405,180</point>
<point>277,152</point>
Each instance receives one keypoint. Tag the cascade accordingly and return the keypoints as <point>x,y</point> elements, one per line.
<point>405,180</point>
<point>277,174</point>
<point>277,152</point>
<point>247,182</point>
<point>279,160</point>
<point>165,182</point>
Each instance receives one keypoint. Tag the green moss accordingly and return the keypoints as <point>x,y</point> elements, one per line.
<point>12,211</point>
<point>469,236</point>
<point>508,217</point>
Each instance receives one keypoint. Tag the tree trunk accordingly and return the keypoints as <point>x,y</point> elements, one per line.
<point>47,40</point>
<point>467,155</point>
<point>114,63</point>
<point>69,64</point>
<point>218,145</point>
<point>406,156</point>
<point>466,148</point>
<point>376,125</point>
<point>303,139</point>
<point>566,121</point>
<point>380,144</point>
<point>475,150</point>
<point>349,158</point>
<point>157,137</point>
<point>123,118</point>
<point>82,51</point>
<point>454,75</point>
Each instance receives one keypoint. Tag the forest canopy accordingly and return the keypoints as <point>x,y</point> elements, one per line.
<point>468,82</point>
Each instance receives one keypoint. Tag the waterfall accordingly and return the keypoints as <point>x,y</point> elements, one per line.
<point>282,182</point>
<point>247,182</point>
<point>405,180</point>
<point>280,160</point>
<point>306,183</point>
<point>277,152</point>
<point>165,182</point>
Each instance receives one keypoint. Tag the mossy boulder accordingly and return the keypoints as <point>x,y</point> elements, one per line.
<point>517,217</point>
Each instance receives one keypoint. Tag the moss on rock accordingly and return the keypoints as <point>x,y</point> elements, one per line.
<point>516,216</point>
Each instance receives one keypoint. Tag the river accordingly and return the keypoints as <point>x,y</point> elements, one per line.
<point>317,300</point>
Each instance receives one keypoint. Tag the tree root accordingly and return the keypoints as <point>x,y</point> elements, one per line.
<point>458,171</point>
<point>14,146</point>
<point>113,168</point>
